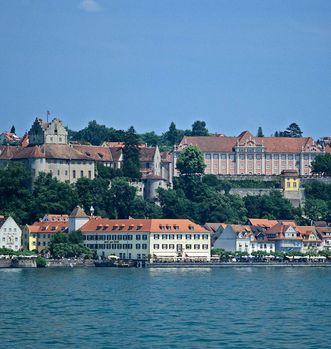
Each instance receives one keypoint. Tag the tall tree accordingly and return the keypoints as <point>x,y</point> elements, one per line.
<point>12,130</point>
<point>190,161</point>
<point>260,132</point>
<point>199,128</point>
<point>172,135</point>
<point>51,196</point>
<point>322,165</point>
<point>131,165</point>
<point>15,191</point>
<point>293,131</point>
<point>120,198</point>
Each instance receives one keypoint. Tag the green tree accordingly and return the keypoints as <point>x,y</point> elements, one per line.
<point>317,209</point>
<point>293,131</point>
<point>93,192</point>
<point>131,165</point>
<point>190,161</point>
<point>141,208</point>
<point>151,138</point>
<point>272,206</point>
<point>174,204</point>
<point>41,262</point>
<point>199,128</point>
<point>322,165</point>
<point>51,195</point>
<point>120,198</point>
<point>260,132</point>
<point>172,136</point>
<point>12,130</point>
<point>75,237</point>
<point>15,191</point>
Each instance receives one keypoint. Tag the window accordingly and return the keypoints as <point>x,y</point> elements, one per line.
<point>196,236</point>
<point>171,246</point>
<point>207,156</point>
<point>188,236</point>
<point>223,156</point>
<point>205,247</point>
<point>215,156</point>
<point>268,156</point>
<point>197,247</point>
<point>90,174</point>
<point>242,157</point>
<point>58,172</point>
<point>156,236</point>
<point>258,157</point>
<point>276,156</point>
<point>294,184</point>
<point>137,246</point>
<point>188,247</point>
<point>74,174</point>
<point>171,236</point>
<point>306,157</point>
<point>156,246</point>
<point>179,236</point>
<point>138,237</point>
<point>164,236</point>
<point>290,157</point>
<point>250,157</point>
<point>164,246</point>
<point>144,237</point>
<point>82,173</point>
<point>283,157</point>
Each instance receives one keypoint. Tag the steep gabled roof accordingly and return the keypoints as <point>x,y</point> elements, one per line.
<point>146,154</point>
<point>78,212</point>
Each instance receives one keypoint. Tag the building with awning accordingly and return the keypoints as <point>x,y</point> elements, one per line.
<point>147,239</point>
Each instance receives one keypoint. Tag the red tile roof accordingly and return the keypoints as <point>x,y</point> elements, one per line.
<point>141,225</point>
<point>222,143</point>
<point>48,227</point>
<point>262,222</point>
<point>97,153</point>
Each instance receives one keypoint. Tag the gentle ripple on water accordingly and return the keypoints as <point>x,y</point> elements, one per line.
<point>165,308</point>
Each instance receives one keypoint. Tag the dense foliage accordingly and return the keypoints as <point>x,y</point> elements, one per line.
<point>190,161</point>
<point>96,134</point>
<point>65,246</point>
<point>318,201</point>
<point>293,131</point>
<point>322,165</point>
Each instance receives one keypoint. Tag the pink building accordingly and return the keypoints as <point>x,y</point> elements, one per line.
<point>249,155</point>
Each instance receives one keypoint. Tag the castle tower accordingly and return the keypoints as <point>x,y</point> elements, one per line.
<point>77,219</point>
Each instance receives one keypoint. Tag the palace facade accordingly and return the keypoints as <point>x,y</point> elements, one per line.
<point>249,155</point>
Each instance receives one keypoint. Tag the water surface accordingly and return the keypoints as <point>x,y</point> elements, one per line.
<point>165,308</point>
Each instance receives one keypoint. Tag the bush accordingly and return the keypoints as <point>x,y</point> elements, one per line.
<point>41,262</point>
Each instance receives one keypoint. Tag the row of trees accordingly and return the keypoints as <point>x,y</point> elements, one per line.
<point>96,134</point>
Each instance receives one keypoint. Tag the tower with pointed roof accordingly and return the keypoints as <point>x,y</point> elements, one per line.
<point>77,219</point>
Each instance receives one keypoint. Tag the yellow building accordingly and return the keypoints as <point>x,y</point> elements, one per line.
<point>290,180</point>
<point>38,235</point>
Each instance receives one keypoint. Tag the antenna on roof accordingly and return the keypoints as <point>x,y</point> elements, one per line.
<point>47,114</point>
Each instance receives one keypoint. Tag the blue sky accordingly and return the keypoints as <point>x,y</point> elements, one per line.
<point>235,64</point>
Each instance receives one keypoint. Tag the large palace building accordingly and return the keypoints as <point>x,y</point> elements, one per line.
<point>249,155</point>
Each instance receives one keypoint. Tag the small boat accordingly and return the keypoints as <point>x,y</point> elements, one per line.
<point>110,261</point>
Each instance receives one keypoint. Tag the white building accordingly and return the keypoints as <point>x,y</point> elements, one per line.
<point>156,239</point>
<point>241,238</point>
<point>10,233</point>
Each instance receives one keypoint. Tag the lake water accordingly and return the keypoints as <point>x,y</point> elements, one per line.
<point>165,308</point>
